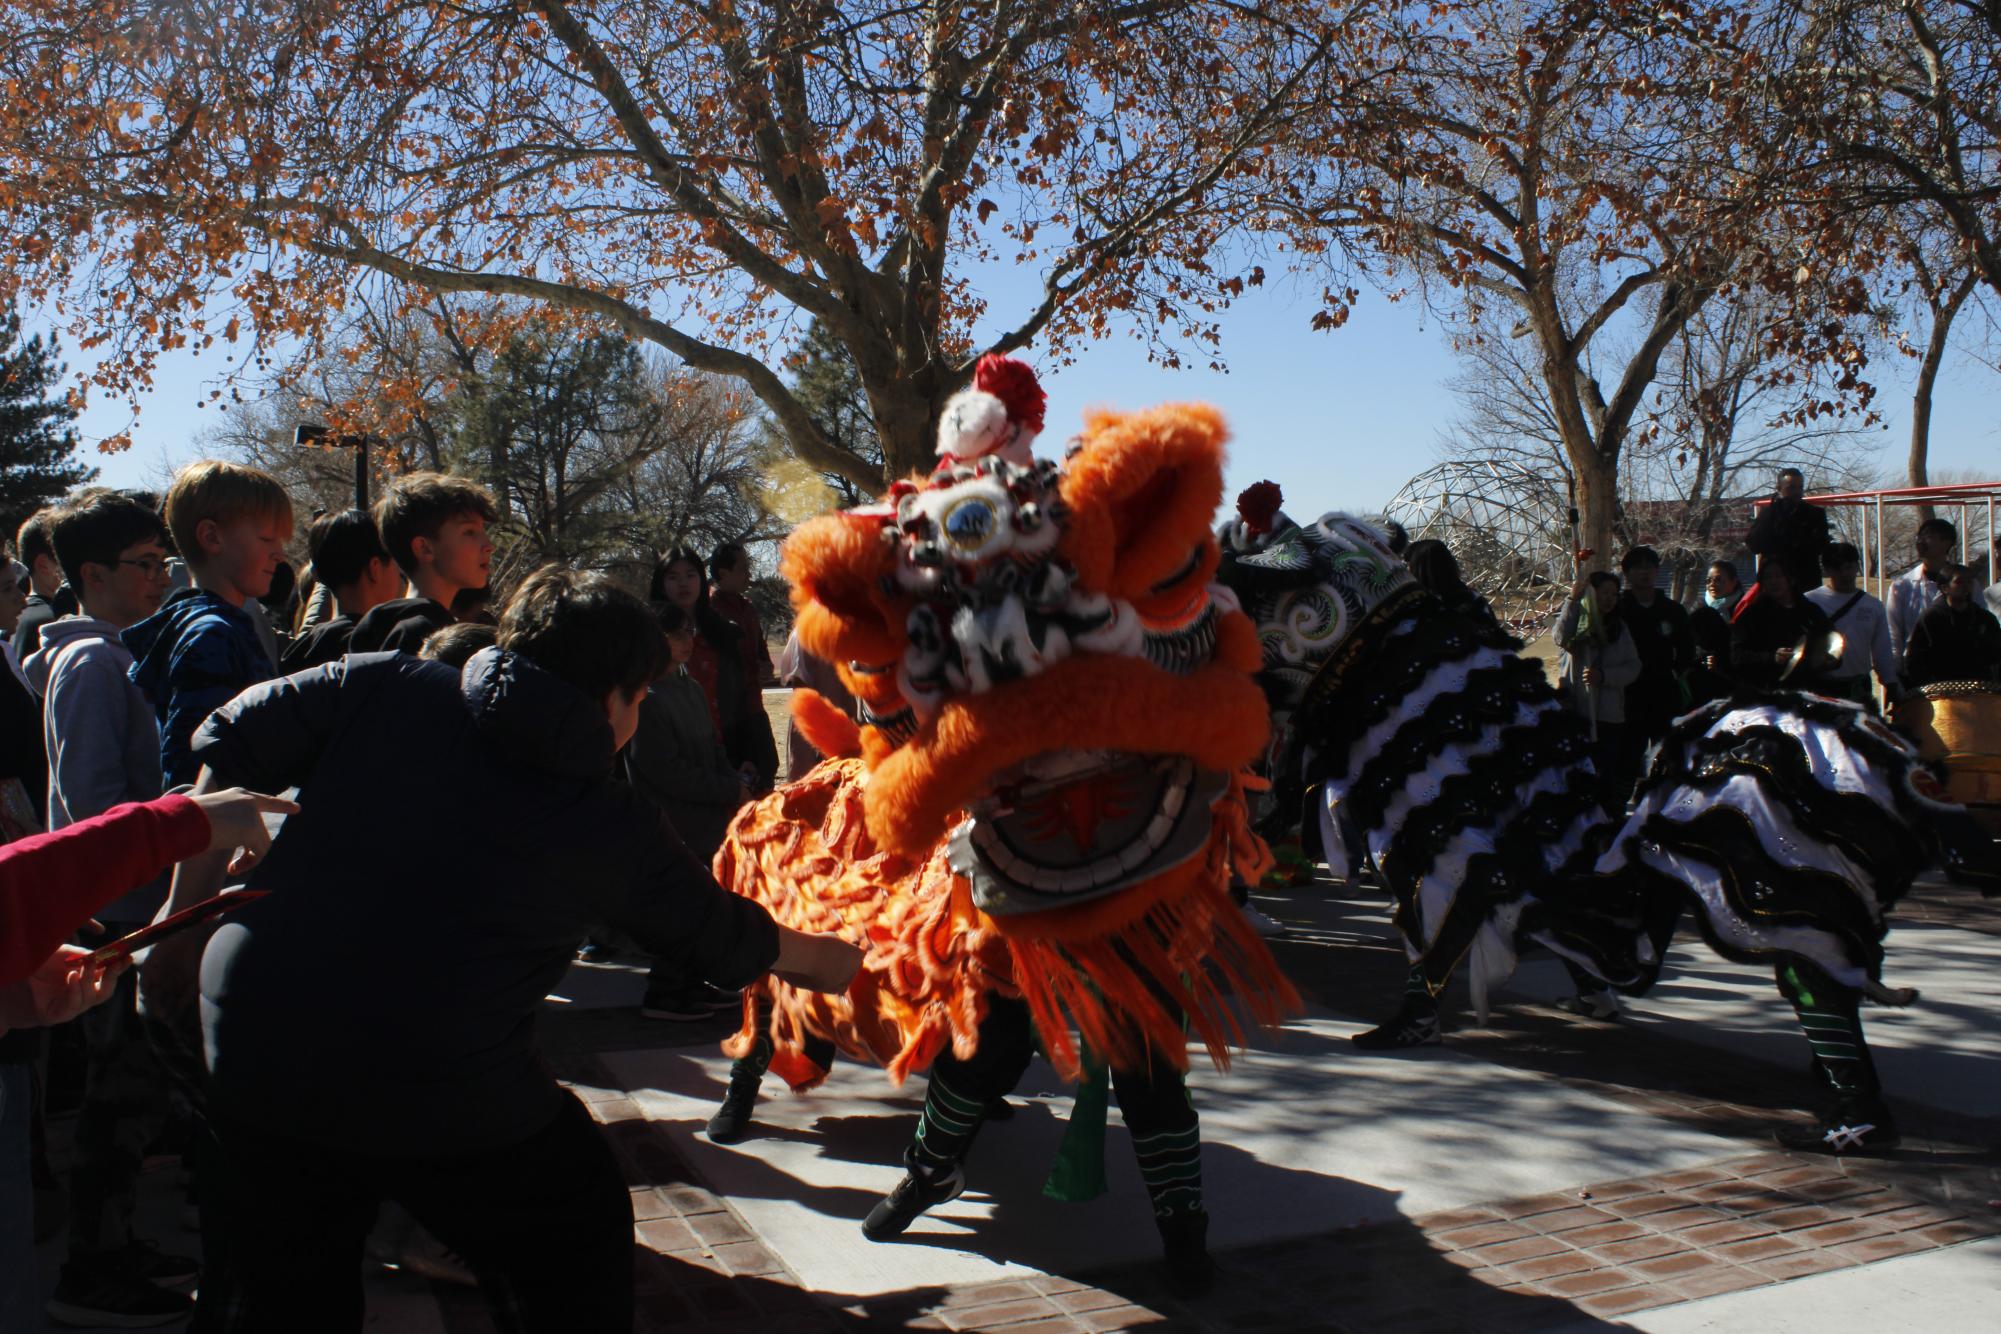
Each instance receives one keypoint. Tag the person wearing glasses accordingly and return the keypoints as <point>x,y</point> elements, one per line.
<point>103,746</point>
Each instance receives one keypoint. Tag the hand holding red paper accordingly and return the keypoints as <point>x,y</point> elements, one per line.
<point>66,984</point>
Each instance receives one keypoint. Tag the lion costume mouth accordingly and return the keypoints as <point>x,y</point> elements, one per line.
<point>1065,827</point>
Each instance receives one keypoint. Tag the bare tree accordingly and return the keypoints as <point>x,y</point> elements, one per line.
<point>1897,107</point>
<point>1941,282</point>
<point>1709,436</point>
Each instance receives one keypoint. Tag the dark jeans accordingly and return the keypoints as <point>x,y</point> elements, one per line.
<point>1615,760</point>
<point>125,1107</point>
<point>546,1224</point>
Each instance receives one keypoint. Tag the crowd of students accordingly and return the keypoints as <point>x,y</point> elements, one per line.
<point>1635,659</point>
<point>365,1035</point>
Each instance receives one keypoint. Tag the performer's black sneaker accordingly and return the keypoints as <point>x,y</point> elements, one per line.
<point>1405,1030</point>
<point>732,1119</point>
<point>682,1004</point>
<point>1600,1005</point>
<point>1861,1126</point>
<point>914,1194</point>
<point>1185,1240</point>
<point>95,1296</point>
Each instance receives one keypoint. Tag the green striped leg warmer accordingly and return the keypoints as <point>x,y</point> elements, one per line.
<point>1170,1162</point>
<point>1167,1137</point>
<point>946,1127</point>
<point>1831,1016</point>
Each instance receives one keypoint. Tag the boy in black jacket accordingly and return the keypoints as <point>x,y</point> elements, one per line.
<point>349,558</point>
<point>369,1027</point>
<point>434,525</point>
<point>1956,639</point>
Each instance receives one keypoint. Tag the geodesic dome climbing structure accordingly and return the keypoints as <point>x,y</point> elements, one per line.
<point>1508,526</point>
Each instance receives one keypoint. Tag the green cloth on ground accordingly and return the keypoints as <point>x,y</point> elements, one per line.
<point>1079,1171</point>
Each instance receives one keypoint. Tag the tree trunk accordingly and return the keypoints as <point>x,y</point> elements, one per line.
<point>904,404</point>
<point>1921,396</point>
<point>1597,506</point>
<point>907,429</point>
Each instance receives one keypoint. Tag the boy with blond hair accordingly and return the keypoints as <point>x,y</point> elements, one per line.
<point>201,648</point>
<point>434,525</point>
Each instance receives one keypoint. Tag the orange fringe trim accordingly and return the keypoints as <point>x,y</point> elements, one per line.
<point>1183,948</point>
<point>932,959</point>
<point>805,853</point>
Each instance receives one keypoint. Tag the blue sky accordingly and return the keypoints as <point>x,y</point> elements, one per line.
<point>1340,419</point>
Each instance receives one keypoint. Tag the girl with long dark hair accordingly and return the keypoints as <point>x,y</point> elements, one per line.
<point>722,663</point>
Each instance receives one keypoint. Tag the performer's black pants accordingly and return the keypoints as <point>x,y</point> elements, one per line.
<point>545,1223</point>
<point>1152,1099</point>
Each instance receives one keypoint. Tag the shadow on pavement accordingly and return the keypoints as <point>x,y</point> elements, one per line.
<point>1372,1280</point>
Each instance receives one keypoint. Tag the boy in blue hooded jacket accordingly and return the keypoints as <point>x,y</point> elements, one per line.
<point>201,649</point>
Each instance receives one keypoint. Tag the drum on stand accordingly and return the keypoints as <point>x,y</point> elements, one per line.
<point>1958,723</point>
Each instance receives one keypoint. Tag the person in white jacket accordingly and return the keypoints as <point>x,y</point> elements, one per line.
<point>1912,593</point>
<point>1863,624</point>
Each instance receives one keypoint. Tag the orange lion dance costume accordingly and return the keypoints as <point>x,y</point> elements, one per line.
<point>1034,830</point>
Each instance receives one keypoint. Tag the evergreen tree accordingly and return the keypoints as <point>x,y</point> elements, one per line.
<point>829,387</point>
<point>38,439</point>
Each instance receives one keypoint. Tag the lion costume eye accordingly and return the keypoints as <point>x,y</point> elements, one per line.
<point>970,523</point>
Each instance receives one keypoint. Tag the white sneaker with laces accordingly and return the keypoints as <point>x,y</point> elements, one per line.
<point>1267,927</point>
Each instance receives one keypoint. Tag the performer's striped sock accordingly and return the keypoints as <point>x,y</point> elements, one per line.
<point>1170,1162</point>
<point>1418,1002</point>
<point>750,1066</point>
<point>946,1127</point>
<point>1832,1020</point>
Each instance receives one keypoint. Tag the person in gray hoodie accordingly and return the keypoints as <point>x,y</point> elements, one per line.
<point>104,749</point>
<point>676,758</point>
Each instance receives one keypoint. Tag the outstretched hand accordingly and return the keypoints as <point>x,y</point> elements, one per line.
<point>236,821</point>
<point>815,963</point>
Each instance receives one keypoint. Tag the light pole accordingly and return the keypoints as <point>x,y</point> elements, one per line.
<point>314,433</point>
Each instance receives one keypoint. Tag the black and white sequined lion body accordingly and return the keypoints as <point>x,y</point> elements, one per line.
<point>1420,739</point>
